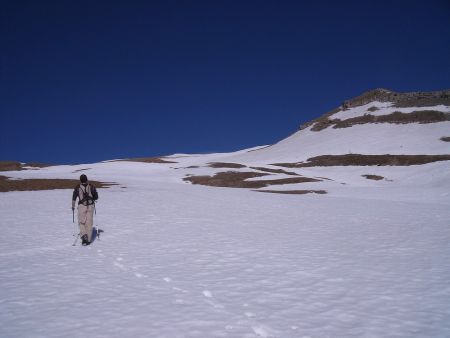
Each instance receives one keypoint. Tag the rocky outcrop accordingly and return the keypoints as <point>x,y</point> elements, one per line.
<point>400,100</point>
<point>413,99</point>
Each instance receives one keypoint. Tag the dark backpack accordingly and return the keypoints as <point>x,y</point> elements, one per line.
<point>87,192</point>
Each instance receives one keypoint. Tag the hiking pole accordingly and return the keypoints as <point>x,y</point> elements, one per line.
<point>97,233</point>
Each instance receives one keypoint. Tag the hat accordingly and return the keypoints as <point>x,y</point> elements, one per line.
<point>83,178</point>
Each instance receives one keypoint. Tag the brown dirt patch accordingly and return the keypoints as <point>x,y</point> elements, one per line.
<point>7,184</point>
<point>424,116</point>
<point>373,177</point>
<point>10,166</point>
<point>366,160</point>
<point>226,165</point>
<point>233,179</point>
<point>325,178</point>
<point>445,139</point>
<point>322,124</point>
<point>79,170</point>
<point>230,179</point>
<point>275,171</point>
<point>294,192</point>
<point>321,121</point>
<point>15,166</point>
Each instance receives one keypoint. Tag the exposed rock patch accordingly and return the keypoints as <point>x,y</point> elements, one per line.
<point>15,166</point>
<point>400,100</point>
<point>233,179</point>
<point>275,171</point>
<point>419,116</point>
<point>374,177</point>
<point>7,184</point>
<point>79,170</point>
<point>366,160</point>
<point>226,165</point>
<point>322,120</point>
<point>445,138</point>
<point>294,192</point>
<point>412,99</point>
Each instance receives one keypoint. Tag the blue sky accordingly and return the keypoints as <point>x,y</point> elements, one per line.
<point>84,81</point>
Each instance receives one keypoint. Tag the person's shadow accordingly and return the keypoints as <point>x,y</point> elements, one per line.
<point>95,234</point>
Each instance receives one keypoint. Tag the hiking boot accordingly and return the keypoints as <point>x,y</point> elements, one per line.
<point>84,240</point>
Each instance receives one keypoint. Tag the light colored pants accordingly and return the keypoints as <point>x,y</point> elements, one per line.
<point>86,220</point>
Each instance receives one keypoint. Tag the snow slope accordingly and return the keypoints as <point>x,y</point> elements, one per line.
<point>368,139</point>
<point>368,259</point>
<point>178,260</point>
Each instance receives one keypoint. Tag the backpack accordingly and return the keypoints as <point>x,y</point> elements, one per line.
<point>88,195</point>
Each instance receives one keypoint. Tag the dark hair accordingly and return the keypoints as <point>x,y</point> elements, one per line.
<point>83,178</point>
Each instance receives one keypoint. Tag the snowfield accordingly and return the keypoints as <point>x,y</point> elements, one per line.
<point>366,259</point>
<point>179,260</point>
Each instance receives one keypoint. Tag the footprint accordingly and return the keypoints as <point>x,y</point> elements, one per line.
<point>262,331</point>
<point>120,266</point>
<point>178,289</point>
<point>207,294</point>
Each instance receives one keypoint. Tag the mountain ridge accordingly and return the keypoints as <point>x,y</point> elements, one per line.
<point>399,100</point>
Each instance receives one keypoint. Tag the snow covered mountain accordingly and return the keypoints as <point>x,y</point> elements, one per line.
<point>350,238</point>
<point>377,122</point>
<point>396,139</point>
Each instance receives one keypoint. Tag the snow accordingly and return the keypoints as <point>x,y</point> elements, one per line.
<point>178,260</point>
<point>369,139</point>
<point>368,259</point>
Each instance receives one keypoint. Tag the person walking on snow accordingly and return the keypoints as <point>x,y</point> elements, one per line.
<point>87,195</point>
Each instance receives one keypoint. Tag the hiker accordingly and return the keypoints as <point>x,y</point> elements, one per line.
<point>87,195</point>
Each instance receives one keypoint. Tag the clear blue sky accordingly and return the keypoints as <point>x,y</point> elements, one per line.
<point>86,81</point>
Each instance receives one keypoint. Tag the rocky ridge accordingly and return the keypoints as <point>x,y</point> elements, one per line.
<point>399,100</point>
